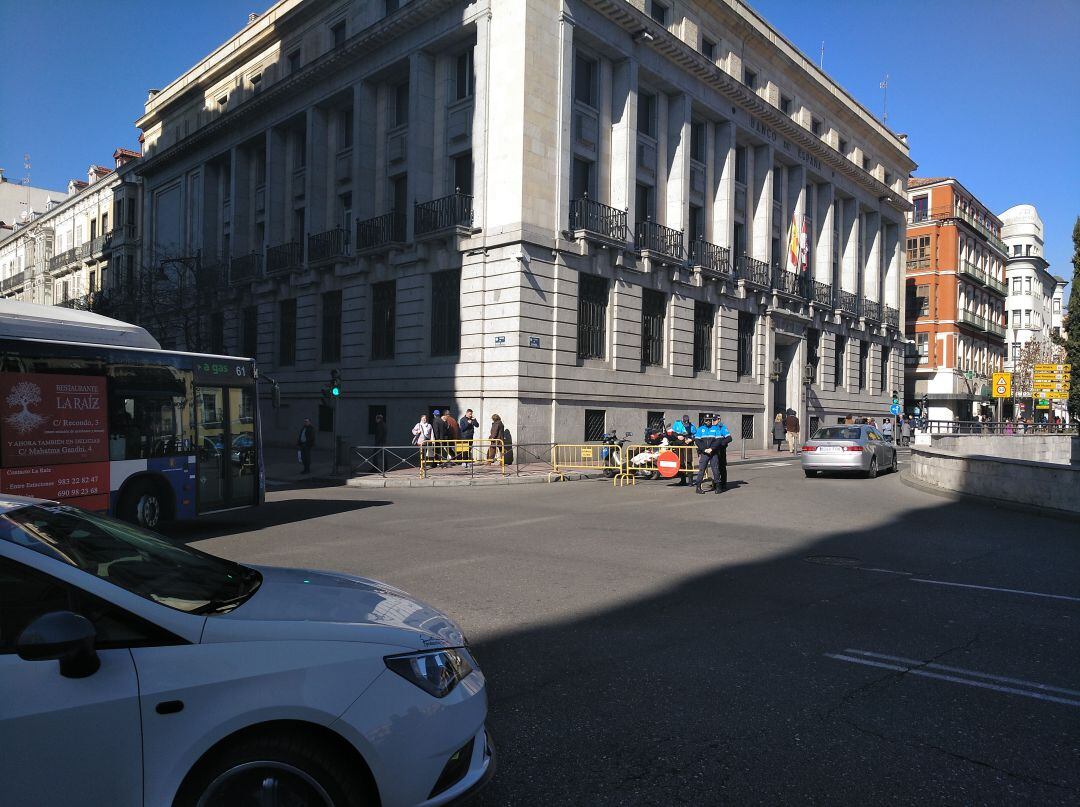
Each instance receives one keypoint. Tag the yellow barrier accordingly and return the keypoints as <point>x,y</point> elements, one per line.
<point>640,461</point>
<point>584,457</point>
<point>440,453</point>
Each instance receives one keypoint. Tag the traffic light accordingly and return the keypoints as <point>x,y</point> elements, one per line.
<point>335,383</point>
<point>895,397</point>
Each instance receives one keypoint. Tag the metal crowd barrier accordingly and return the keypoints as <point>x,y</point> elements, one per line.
<point>447,453</point>
<point>647,457</point>
<point>583,457</point>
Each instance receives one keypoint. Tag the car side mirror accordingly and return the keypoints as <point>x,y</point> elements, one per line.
<point>63,636</point>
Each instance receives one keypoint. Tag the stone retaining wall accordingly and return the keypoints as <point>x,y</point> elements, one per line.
<point>1039,484</point>
<point>1063,449</point>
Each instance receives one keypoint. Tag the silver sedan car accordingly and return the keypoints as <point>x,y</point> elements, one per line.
<point>858,448</point>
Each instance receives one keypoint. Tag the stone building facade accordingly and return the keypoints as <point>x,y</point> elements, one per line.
<point>956,298</point>
<point>574,213</point>
<point>75,249</point>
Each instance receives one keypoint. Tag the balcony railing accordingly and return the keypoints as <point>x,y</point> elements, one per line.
<point>710,258</point>
<point>82,252</point>
<point>997,285</point>
<point>848,302</point>
<point>969,269</point>
<point>388,228</point>
<point>823,293</point>
<point>328,246</point>
<point>62,259</point>
<point>594,217</point>
<point>648,235</point>
<point>90,301</point>
<point>100,245</point>
<point>752,270</point>
<point>892,317</point>
<point>244,268</point>
<point>449,212</point>
<point>981,323</point>
<point>871,310</point>
<point>13,282</point>
<point>788,282</point>
<point>284,257</point>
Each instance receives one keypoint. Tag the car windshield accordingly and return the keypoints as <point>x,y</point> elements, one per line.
<point>838,433</point>
<point>141,562</point>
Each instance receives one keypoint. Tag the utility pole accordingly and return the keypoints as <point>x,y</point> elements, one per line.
<point>885,100</point>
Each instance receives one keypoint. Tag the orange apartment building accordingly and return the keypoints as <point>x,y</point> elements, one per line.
<point>955,299</point>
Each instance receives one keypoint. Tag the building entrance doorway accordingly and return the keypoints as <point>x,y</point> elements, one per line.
<point>785,393</point>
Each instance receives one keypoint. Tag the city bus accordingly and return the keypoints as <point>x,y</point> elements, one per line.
<point>94,413</point>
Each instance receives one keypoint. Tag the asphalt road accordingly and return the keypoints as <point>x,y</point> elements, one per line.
<point>789,641</point>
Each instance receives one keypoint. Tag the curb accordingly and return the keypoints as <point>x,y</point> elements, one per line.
<point>974,498</point>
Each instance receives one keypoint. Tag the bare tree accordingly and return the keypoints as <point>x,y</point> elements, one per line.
<point>1036,350</point>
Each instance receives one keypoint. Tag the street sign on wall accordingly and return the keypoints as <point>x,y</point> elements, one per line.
<point>1001,386</point>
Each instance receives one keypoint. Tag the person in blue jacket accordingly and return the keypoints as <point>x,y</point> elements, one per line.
<point>682,433</point>
<point>712,442</point>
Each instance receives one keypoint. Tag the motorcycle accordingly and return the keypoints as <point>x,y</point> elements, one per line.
<point>612,453</point>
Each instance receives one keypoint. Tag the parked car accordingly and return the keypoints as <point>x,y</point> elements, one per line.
<point>138,671</point>
<point>849,448</point>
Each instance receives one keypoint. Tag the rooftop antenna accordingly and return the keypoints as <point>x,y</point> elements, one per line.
<point>821,57</point>
<point>26,184</point>
<point>885,99</point>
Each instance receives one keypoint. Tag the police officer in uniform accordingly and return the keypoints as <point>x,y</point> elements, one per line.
<point>712,442</point>
<point>682,433</point>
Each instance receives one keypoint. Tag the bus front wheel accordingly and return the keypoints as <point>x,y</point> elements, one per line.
<point>143,504</point>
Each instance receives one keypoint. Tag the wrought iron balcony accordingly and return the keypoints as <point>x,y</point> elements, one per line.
<point>997,285</point>
<point>90,301</point>
<point>328,246</point>
<point>823,293</point>
<point>82,252</point>
<point>380,231</point>
<point>788,282</point>
<point>892,317</point>
<point>848,302</point>
<point>284,257</point>
<point>593,217</point>
<point>59,261</point>
<point>245,268</point>
<point>13,282</point>
<point>751,270</point>
<point>966,317</point>
<point>448,213</point>
<point>871,310</point>
<point>100,245</point>
<point>648,235</point>
<point>710,258</point>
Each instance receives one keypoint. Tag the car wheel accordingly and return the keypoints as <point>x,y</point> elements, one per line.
<point>142,504</point>
<point>809,474</point>
<point>276,769</point>
<point>871,472</point>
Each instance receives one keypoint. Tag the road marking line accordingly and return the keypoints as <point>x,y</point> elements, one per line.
<point>999,678</point>
<point>884,571</point>
<point>775,464</point>
<point>953,679</point>
<point>996,588</point>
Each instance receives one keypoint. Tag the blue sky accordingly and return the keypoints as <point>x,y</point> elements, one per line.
<point>987,90</point>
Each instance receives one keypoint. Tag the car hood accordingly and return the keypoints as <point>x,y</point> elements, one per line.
<point>306,604</point>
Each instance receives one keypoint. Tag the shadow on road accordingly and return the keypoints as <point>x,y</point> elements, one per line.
<point>270,514</point>
<point>717,690</point>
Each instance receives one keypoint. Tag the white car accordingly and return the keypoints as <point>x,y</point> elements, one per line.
<point>137,671</point>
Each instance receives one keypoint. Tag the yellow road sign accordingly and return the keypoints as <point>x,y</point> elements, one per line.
<point>1001,387</point>
<point>1053,368</point>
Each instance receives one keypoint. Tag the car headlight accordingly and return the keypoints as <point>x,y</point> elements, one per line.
<point>436,672</point>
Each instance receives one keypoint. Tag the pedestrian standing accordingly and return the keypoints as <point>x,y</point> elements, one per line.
<point>496,437</point>
<point>422,435</point>
<point>305,441</point>
<point>778,430</point>
<point>905,430</point>
<point>467,425</point>
<point>712,455</point>
<point>380,441</point>
<point>887,429</point>
<point>453,433</point>
<point>791,430</point>
<point>681,435</point>
<point>439,434</point>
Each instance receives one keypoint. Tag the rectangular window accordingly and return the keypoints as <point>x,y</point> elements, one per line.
<point>585,80</point>
<point>1027,285</point>
<point>464,76</point>
<point>921,203</point>
<point>392,6</point>
<point>708,49</point>
<point>299,148</point>
<point>401,104</point>
<point>864,375</point>
<point>249,331</point>
<point>337,32</point>
<point>582,181</point>
<point>842,146</point>
<point>345,213</point>
<point>645,200</point>
<point>922,300</point>
<point>592,317</point>
<point>745,353</point>
<point>922,346</point>
<point>703,336</point>
<point>383,319</point>
<point>1016,249</point>
<point>654,421</point>
<point>1017,289</point>
<point>217,332</point>
<point>697,141</point>
<point>446,313</point>
<point>813,344</point>
<point>839,358</point>
<point>595,425</point>
<point>653,309</point>
<point>746,427</point>
<point>740,164</point>
<point>750,78</point>
<point>298,225</point>
<point>866,164</point>
<point>344,129</point>
<point>293,61</point>
<point>696,225</point>
<point>287,333</point>
<point>785,104</point>
<point>331,326</point>
<point>1027,317</point>
<point>463,173</point>
<point>815,126</point>
<point>646,120</point>
<point>658,11</point>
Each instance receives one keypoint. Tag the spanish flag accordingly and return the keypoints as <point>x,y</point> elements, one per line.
<point>793,246</point>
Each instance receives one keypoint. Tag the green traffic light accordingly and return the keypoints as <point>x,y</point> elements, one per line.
<point>335,391</point>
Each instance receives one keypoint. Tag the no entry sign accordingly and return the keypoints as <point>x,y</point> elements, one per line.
<point>667,464</point>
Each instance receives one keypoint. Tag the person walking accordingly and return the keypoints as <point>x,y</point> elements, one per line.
<point>778,430</point>
<point>712,455</point>
<point>905,430</point>
<point>305,441</point>
<point>791,430</point>
<point>495,437</point>
<point>380,441</point>
<point>453,432</point>
<point>439,434</point>
<point>886,429</point>
<point>422,434</point>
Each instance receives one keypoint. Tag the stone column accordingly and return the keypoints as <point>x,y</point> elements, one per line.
<point>320,166</point>
<point>759,186</point>
<point>823,254</point>
<point>624,137</point>
<point>421,145</point>
<point>872,269</point>
<point>564,138</point>
<point>849,237</point>
<point>367,201</point>
<point>678,160</point>
<point>723,188</point>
